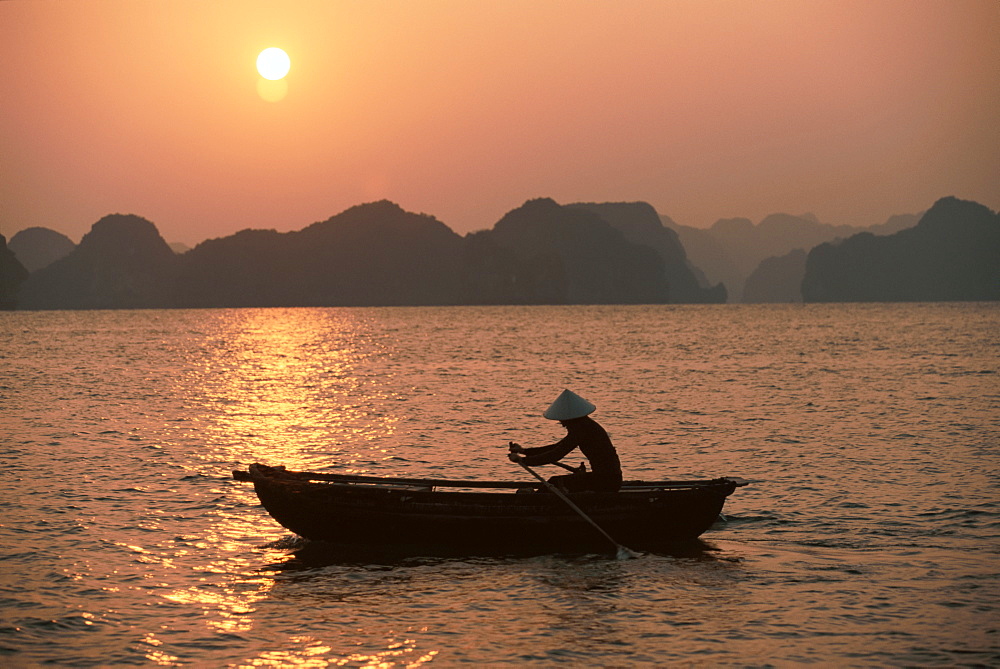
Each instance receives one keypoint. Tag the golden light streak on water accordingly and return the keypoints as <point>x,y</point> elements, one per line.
<point>310,652</point>
<point>283,407</point>
<point>397,653</point>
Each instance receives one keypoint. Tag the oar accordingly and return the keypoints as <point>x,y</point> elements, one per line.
<point>623,553</point>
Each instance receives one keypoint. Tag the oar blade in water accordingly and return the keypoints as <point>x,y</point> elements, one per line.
<point>626,553</point>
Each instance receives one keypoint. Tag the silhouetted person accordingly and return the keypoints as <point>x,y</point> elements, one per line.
<point>583,432</point>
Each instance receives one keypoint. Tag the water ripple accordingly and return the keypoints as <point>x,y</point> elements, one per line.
<point>868,537</point>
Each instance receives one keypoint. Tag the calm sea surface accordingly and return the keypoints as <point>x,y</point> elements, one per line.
<point>870,534</point>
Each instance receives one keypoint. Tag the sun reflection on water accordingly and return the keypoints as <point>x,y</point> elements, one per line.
<point>298,388</point>
<point>230,610</point>
<point>311,652</point>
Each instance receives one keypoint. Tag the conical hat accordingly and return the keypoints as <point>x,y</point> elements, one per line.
<point>568,406</point>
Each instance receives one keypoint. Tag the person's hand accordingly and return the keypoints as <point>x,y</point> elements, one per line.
<point>514,457</point>
<point>515,448</point>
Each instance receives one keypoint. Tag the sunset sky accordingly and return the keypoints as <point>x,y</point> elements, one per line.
<point>707,109</point>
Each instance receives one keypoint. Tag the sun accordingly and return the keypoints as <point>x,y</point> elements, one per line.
<point>273,63</point>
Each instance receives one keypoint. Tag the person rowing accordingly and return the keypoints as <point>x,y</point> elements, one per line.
<point>582,432</point>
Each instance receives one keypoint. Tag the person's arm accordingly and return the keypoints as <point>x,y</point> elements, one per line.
<point>546,455</point>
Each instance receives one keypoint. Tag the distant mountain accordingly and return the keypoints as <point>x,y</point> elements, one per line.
<point>642,225</point>
<point>40,247</point>
<point>709,256</point>
<point>373,254</point>
<point>12,275</point>
<point>893,225</point>
<point>235,271</point>
<point>378,254</point>
<point>953,253</point>
<point>777,279</point>
<point>546,253</point>
<point>732,248</point>
<point>121,263</point>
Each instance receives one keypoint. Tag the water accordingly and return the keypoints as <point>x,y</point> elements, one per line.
<point>869,536</point>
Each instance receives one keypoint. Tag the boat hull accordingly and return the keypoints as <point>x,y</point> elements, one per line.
<point>427,520</point>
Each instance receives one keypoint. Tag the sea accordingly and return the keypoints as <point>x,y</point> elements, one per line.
<point>868,536</point>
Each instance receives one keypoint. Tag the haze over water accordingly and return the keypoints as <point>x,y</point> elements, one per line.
<point>869,535</point>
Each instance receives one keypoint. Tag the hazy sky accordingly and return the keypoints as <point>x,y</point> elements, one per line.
<point>707,109</point>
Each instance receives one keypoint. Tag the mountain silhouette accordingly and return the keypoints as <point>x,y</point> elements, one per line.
<point>642,225</point>
<point>121,263</point>
<point>546,253</point>
<point>732,248</point>
<point>953,253</point>
<point>377,254</point>
<point>373,254</point>
<point>12,275</point>
<point>777,279</point>
<point>40,247</point>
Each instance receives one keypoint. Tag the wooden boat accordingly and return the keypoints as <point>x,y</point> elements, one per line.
<point>429,516</point>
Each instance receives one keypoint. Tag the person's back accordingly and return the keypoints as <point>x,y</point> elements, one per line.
<point>595,444</point>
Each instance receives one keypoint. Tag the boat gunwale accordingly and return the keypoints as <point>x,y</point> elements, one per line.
<point>258,471</point>
<point>321,480</point>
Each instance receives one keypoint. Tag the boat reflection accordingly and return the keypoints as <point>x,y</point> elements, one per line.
<point>393,610</point>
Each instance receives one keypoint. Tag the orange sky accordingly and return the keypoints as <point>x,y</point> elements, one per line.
<point>852,110</point>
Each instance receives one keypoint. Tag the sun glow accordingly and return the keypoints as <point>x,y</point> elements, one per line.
<point>273,63</point>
